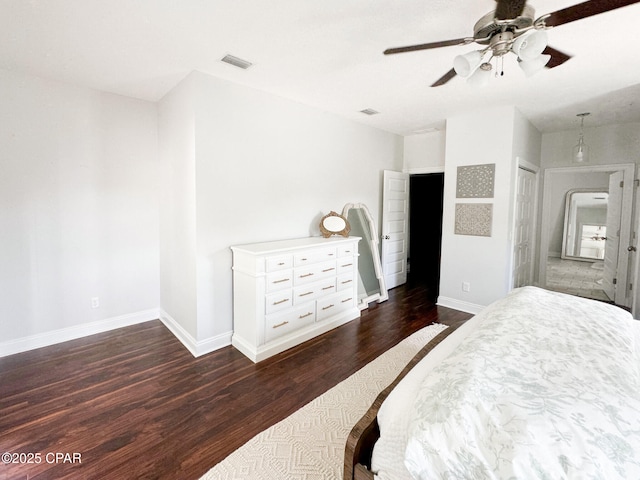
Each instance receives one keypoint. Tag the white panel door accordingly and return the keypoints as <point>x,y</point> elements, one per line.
<point>612,245</point>
<point>523,229</point>
<point>395,227</point>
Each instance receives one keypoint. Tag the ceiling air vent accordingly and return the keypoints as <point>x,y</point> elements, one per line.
<point>369,111</point>
<point>236,62</point>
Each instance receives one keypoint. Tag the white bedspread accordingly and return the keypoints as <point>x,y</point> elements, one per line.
<point>546,386</point>
<point>393,416</point>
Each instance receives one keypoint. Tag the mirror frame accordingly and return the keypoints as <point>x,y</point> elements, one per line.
<point>383,294</point>
<point>327,232</point>
<point>565,231</point>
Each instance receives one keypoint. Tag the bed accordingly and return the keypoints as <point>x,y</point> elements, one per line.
<point>538,385</point>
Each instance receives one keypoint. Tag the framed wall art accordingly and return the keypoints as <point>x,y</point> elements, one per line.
<point>474,219</point>
<point>476,181</point>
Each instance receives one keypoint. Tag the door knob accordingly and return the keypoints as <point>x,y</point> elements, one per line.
<point>387,237</point>
<point>631,248</point>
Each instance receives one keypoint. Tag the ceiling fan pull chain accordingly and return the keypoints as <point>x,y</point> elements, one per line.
<point>499,66</point>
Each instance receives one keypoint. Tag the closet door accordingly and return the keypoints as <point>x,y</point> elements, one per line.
<point>523,229</point>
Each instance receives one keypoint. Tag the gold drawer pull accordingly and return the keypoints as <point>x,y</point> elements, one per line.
<point>305,294</point>
<point>347,265</point>
<point>328,269</point>
<point>280,281</point>
<point>327,307</point>
<point>280,324</point>
<point>347,300</point>
<point>346,281</point>
<point>281,301</point>
<point>306,275</point>
<point>306,315</point>
<point>328,288</point>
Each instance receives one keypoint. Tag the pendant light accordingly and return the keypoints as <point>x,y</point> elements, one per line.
<point>581,150</point>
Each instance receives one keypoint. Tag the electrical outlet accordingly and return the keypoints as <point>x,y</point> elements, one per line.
<point>95,302</point>
<point>466,287</point>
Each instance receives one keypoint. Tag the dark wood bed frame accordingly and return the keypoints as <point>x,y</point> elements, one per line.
<point>363,436</point>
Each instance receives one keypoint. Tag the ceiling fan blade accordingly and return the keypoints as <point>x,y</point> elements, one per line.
<point>426,46</point>
<point>557,57</point>
<point>509,9</point>
<point>445,78</point>
<point>584,10</point>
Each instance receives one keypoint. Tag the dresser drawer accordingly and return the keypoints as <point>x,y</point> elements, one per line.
<point>279,281</point>
<point>315,256</point>
<point>347,250</point>
<point>312,291</point>
<point>278,301</point>
<point>313,273</point>
<point>282,262</point>
<point>345,281</point>
<point>280,324</point>
<point>328,306</point>
<point>345,265</point>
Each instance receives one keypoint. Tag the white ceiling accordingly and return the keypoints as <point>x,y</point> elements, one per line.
<point>327,54</point>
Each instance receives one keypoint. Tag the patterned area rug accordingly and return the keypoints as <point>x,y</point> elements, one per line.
<point>309,444</point>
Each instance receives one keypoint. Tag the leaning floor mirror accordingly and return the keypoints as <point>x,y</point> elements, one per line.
<point>371,286</point>
<point>585,225</point>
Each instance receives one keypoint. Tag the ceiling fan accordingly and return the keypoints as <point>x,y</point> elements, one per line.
<point>512,27</point>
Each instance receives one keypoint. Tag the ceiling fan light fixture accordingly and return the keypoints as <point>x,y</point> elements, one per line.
<point>531,67</point>
<point>513,27</point>
<point>466,64</point>
<point>581,150</point>
<point>530,45</point>
<point>481,76</point>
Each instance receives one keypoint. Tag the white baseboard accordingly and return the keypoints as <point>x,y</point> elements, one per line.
<point>47,339</point>
<point>459,305</point>
<point>197,348</point>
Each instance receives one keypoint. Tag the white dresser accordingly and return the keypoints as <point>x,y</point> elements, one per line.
<point>289,291</point>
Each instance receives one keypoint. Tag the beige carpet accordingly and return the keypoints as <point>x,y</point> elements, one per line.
<point>309,444</point>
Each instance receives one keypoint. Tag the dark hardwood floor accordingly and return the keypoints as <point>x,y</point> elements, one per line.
<point>133,403</point>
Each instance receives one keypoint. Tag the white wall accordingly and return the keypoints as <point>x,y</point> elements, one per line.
<point>425,152</point>
<point>609,144</point>
<point>78,211</point>
<point>498,136</point>
<point>527,140</point>
<point>268,168</point>
<point>177,203</point>
<point>94,202</point>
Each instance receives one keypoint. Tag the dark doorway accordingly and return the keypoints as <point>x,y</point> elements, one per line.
<point>425,230</point>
